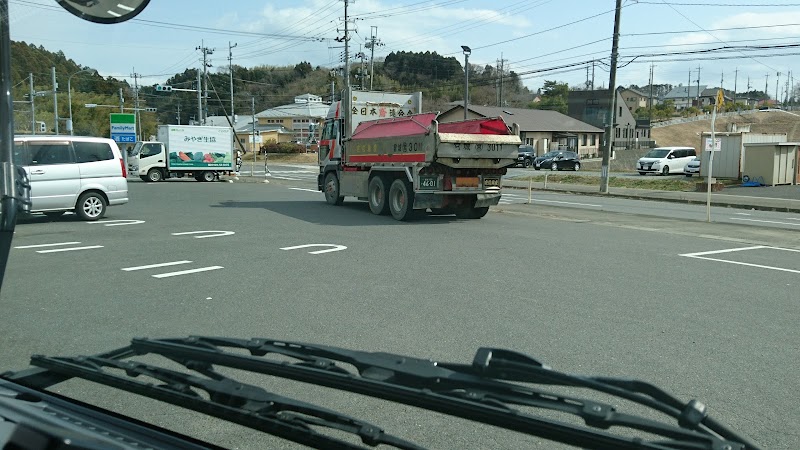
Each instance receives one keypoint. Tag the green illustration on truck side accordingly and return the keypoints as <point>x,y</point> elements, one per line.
<point>199,159</point>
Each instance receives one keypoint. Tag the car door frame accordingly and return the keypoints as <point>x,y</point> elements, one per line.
<point>54,186</point>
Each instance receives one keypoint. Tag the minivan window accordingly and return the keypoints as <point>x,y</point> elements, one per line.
<point>21,155</point>
<point>92,151</point>
<point>657,153</point>
<point>45,153</point>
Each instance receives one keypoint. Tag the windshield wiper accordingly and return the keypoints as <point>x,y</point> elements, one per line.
<point>484,391</point>
<point>228,399</point>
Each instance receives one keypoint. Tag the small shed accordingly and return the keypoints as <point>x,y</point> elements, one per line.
<point>772,163</point>
<point>729,161</point>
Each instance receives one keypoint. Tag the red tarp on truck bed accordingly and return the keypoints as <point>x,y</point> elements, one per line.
<point>494,125</point>
<point>399,126</point>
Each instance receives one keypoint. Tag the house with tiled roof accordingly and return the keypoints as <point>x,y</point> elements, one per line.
<point>543,129</point>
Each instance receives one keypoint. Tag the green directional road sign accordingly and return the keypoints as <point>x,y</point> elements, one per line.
<point>123,127</point>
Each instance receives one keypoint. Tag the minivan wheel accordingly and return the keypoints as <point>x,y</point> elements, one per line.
<point>577,167</point>
<point>554,166</point>
<point>154,175</point>
<point>90,206</point>
<point>665,171</point>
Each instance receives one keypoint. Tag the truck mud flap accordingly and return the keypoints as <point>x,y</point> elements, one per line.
<point>487,200</point>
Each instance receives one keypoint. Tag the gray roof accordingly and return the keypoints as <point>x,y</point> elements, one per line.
<point>636,91</point>
<point>310,109</point>
<point>535,119</point>
<point>680,92</point>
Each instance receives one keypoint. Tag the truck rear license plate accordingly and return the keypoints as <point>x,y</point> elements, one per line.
<point>429,182</point>
<point>467,182</point>
<point>491,182</point>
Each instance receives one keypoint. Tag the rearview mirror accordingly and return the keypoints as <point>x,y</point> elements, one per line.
<point>104,11</point>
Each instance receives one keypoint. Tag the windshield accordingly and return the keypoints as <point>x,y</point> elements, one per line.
<point>196,238</point>
<point>657,153</point>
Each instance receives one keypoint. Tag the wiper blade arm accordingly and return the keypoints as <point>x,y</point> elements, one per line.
<point>448,388</point>
<point>242,403</point>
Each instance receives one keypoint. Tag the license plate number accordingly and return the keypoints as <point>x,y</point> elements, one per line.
<point>491,182</point>
<point>429,182</point>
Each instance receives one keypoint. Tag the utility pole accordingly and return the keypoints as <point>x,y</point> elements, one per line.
<point>777,83</point>
<point>179,114</point>
<point>735,81</point>
<point>33,107</point>
<point>371,43</point>
<point>121,101</point>
<point>206,52</point>
<point>502,73</point>
<point>698,87</point>
<point>230,70</point>
<point>136,101</point>
<point>650,105</point>
<point>612,82</point>
<point>688,87</point>
<point>347,97</point>
<point>55,98</point>
<point>766,86</point>
<point>199,98</point>
<point>592,74</point>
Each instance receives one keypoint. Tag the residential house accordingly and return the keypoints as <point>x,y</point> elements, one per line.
<point>543,129</point>
<point>634,99</point>
<point>684,96</point>
<point>592,107</point>
<point>243,126</point>
<point>709,96</point>
<point>307,109</point>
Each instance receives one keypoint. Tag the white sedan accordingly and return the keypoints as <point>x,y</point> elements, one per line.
<point>692,167</point>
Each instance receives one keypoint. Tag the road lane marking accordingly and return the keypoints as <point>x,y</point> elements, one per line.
<point>334,248</point>
<point>186,272</point>
<point>566,203</point>
<point>153,266</point>
<point>743,214</point>
<point>69,249</point>
<point>306,190</point>
<point>214,233</point>
<point>767,221</point>
<point>116,223</point>
<point>48,245</point>
<point>700,255</point>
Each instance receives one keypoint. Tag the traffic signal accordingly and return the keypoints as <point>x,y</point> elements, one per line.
<point>150,109</point>
<point>161,88</point>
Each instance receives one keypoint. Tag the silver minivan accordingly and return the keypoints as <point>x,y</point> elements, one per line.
<point>665,160</point>
<point>81,174</point>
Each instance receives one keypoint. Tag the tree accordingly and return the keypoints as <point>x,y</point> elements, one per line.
<point>554,97</point>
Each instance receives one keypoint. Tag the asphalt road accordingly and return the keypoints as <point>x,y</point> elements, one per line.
<point>705,311</point>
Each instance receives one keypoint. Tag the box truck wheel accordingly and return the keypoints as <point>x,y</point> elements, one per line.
<point>378,194</point>
<point>154,175</point>
<point>207,176</point>
<point>401,199</point>
<point>332,189</point>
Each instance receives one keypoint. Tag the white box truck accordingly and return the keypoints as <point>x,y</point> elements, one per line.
<point>201,152</point>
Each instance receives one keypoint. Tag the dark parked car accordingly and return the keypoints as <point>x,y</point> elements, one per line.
<point>526,155</point>
<point>558,160</point>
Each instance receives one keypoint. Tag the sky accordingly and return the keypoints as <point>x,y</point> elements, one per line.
<point>723,42</point>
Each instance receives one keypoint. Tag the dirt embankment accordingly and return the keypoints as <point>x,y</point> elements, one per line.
<point>688,134</point>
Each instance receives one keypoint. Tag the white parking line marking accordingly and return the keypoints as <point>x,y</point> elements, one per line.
<point>567,203</point>
<point>714,252</point>
<point>116,223</point>
<point>69,249</point>
<point>767,221</point>
<point>306,190</point>
<point>743,214</point>
<point>214,233</point>
<point>334,248</point>
<point>48,245</point>
<point>185,272</point>
<point>699,255</point>
<point>153,266</point>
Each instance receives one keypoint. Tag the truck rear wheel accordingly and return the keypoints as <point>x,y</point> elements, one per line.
<point>207,176</point>
<point>377,195</point>
<point>332,189</point>
<point>401,200</point>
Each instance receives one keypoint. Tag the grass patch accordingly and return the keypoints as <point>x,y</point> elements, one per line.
<point>653,183</point>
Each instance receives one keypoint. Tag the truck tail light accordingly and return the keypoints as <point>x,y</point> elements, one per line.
<point>448,183</point>
<point>124,171</point>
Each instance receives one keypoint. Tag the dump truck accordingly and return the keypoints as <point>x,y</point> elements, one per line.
<point>201,152</point>
<point>381,148</point>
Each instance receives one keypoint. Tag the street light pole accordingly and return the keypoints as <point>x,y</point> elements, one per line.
<point>69,98</point>
<point>467,52</point>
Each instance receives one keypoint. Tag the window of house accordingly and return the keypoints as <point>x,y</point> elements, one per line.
<point>620,111</point>
<point>617,133</point>
<point>583,140</point>
<point>594,139</point>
